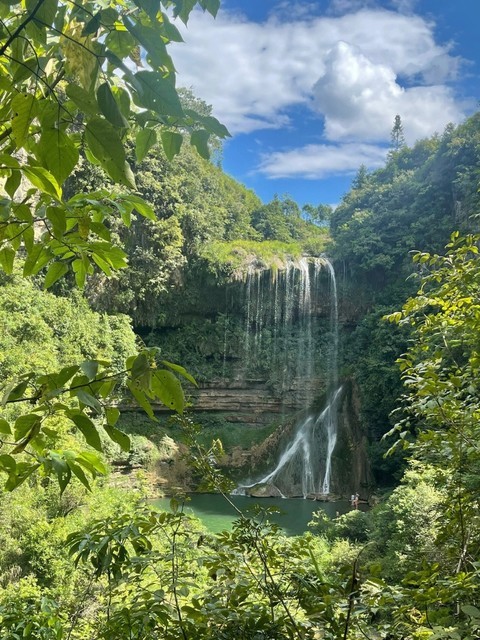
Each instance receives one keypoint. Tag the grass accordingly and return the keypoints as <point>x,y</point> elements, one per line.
<point>234,258</point>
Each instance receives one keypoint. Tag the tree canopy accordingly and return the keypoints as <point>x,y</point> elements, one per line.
<point>77,79</point>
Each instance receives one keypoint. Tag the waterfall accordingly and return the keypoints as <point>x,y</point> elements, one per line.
<point>305,465</point>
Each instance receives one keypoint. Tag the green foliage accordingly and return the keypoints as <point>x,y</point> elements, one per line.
<point>195,204</point>
<point>232,259</point>
<point>67,91</point>
<point>441,372</point>
<point>413,203</point>
<point>85,358</point>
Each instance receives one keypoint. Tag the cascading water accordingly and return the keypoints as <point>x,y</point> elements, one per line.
<point>305,466</point>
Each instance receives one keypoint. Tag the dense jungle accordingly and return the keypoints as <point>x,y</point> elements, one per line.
<point>165,332</point>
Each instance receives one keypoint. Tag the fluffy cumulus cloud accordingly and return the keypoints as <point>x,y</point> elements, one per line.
<point>355,70</point>
<point>359,99</point>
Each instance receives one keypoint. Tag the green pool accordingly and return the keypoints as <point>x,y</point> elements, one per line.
<point>217,514</point>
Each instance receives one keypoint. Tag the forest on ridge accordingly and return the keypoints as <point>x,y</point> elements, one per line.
<point>120,235</point>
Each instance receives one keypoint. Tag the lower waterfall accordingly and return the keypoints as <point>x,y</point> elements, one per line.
<point>304,468</point>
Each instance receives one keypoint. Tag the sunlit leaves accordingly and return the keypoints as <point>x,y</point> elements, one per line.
<point>199,139</point>
<point>171,142</point>
<point>58,153</point>
<point>106,145</point>
<point>157,93</point>
<point>68,91</point>
<point>65,52</point>
<point>24,111</point>
<point>145,140</point>
<point>55,271</point>
<point>84,395</point>
<point>109,107</point>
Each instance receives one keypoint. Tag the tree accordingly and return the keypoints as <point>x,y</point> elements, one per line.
<point>361,177</point>
<point>441,371</point>
<point>68,89</point>
<point>319,215</point>
<point>397,136</point>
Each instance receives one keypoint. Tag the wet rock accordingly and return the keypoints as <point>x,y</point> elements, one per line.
<point>263,491</point>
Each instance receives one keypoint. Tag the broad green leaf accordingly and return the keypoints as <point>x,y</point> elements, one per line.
<point>43,180</point>
<point>88,429</point>
<point>212,6</point>
<point>58,153</point>
<point>23,470</point>
<point>106,146</point>
<point>215,127</point>
<point>13,182</point>
<point>151,8</point>
<point>144,141</point>
<point>8,162</point>
<point>65,374</point>
<point>79,473</point>
<point>118,436</point>
<point>7,256</point>
<point>172,143</point>
<point>37,258</point>
<point>58,219</point>
<point>104,266</point>
<point>92,462</point>
<point>183,8</point>
<point>109,107</point>
<point>15,390</point>
<point>112,415</point>
<point>84,100</point>
<point>89,400</point>
<point>141,398</point>
<point>24,108</point>
<point>80,272</point>
<point>151,41</point>
<point>90,368</point>
<point>168,389</point>
<point>170,30</point>
<point>25,424</point>
<point>157,93</point>
<point>141,206</point>
<point>46,11</point>
<point>93,25</point>
<point>123,100</point>
<point>55,271</point>
<point>22,212</point>
<point>5,427</point>
<point>199,139</point>
<point>7,463</point>
<point>140,365</point>
<point>471,611</point>
<point>181,370</point>
<point>120,42</point>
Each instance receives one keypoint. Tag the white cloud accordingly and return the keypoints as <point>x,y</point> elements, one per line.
<point>317,161</point>
<point>359,99</point>
<point>354,69</point>
<point>254,73</point>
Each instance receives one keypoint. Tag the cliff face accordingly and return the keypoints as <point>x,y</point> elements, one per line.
<point>254,401</point>
<point>352,473</point>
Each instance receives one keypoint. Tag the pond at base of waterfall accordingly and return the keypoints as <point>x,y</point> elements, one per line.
<point>217,515</point>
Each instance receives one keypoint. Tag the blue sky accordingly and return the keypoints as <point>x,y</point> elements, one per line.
<point>310,89</point>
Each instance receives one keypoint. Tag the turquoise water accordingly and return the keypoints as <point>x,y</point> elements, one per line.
<point>217,514</point>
